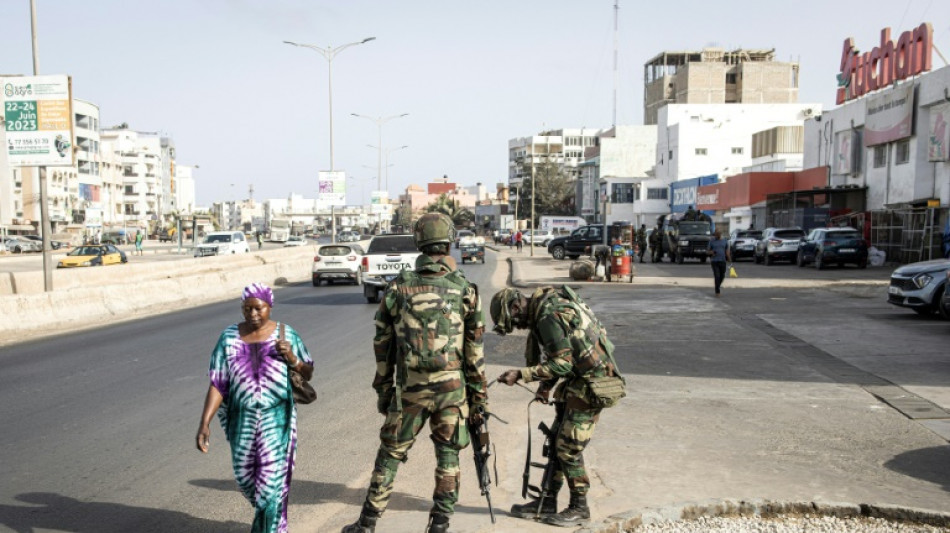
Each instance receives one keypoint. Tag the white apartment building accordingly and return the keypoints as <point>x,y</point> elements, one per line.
<point>564,148</point>
<point>87,193</point>
<point>704,139</point>
<point>140,155</point>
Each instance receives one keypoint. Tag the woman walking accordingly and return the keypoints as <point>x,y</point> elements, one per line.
<point>251,393</point>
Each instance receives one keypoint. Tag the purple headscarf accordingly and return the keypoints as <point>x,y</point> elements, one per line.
<point>260,291</point>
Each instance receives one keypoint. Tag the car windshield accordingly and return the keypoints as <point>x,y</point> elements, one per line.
<point>694,228</point>
<point>217,238</point>
<point>332,251</point>
<point>392,243</point>
<point>86,250</point>
<point>789,234</point>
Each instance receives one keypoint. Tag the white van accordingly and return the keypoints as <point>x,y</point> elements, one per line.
<point>222,242</point>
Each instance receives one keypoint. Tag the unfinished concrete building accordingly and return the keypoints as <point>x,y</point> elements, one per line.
<point>715,76</point>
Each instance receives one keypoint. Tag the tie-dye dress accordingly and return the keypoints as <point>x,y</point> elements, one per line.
<point>259,419</point>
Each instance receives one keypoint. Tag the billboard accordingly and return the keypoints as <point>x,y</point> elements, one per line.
<point>331,188</point>
<point>684,193</point>
<point>890,116</point>
<point>379,202</point>
<point>37,112</point>
<point>938,145</point>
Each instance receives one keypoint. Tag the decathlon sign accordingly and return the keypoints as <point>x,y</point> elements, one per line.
<point>862,73</point>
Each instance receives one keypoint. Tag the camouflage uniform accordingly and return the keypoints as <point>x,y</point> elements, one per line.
<point>656,246</point>
<point>575,345</point>
<point>641,241</point>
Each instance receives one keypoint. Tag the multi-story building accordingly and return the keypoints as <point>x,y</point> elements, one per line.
<point>140,155</point>
<point>716,76</point>
<point>87,201</point>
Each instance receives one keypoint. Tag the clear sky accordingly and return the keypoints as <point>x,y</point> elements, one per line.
<point>249,110</point>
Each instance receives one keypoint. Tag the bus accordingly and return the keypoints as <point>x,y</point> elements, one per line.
<point>279,230</point>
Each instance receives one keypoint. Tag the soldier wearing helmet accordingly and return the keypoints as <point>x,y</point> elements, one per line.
<point>421,376</point>
<point>576,349</point>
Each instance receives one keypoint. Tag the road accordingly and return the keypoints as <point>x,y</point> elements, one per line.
<point>99,425</point>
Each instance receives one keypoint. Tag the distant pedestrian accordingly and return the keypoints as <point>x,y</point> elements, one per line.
<point>260,240</point>
<point>139,238</point>
<point>251,393</point>
<point>519,238</point>
<point>718,256</point>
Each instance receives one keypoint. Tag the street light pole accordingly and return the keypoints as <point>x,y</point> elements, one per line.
<point>379,124</point>
<point>329,53</point>
<point>388,151</point>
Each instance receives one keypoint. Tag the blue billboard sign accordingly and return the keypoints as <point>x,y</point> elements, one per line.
<point>683,193</point>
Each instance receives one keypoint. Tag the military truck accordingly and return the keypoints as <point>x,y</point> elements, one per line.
<point>685,239</point>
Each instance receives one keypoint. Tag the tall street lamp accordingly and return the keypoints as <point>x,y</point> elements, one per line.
<point>386,157</point>
<point>379,124</point>
<point>329,53</point>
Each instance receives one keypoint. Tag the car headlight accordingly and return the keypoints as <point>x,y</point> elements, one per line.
<point>684,243</point>
<point>922,280</point>
<point>87,263</point>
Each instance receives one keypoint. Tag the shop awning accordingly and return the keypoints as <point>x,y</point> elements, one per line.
<point>19,227</point>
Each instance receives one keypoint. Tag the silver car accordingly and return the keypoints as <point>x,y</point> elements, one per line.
<point>19,245</point>
<point>778,244</point>
<point>919,286</point>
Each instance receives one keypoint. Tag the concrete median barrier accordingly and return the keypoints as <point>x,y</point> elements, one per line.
<point>100,296</point>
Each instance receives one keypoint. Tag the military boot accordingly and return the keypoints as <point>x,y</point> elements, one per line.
<point>438,523</point>
<point>365,524</point>
<point>577,513</point>
<point>530,509</point>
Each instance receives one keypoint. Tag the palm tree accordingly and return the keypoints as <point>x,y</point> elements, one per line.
<point>460,216</point>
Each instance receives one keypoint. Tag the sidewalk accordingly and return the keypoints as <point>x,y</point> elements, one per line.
<point>751,412</point>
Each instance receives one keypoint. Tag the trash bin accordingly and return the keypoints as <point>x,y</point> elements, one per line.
<point>620,265</point>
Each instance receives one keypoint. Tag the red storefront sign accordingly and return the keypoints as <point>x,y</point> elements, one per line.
<point>750,188</point>
<point>884,64</point>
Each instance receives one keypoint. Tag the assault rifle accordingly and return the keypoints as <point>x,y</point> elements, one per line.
<point>548,451</point>
<point>481,446</point>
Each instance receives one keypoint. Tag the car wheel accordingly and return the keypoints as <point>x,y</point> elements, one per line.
<point>702,259</point>
<point>558,253</point>
<point>801,259</point>
<point>943,305</point>
<point>17,250</point>
<point>756,259</point>
<point>819,264</point>
<point>679,259</point>
<point>316,282</point>
<point>371,294</point>
<point>768,259</point>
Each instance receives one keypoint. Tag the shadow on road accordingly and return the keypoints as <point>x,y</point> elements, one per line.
<point>50,511</point>
<point>928,464</point>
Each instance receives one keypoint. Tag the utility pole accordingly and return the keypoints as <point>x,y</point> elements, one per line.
<point>45,227</point>
<point>616,40</point>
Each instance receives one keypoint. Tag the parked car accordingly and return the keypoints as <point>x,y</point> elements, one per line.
<point>945,299</point>
<point>19,245</point>
<point>114,237</point>
<point>222,242</point>
<point>55,245</point>
<point>742,242</point>
<point>503,236</point>
<point>577,243</point>
<point>337,262</point>
<point>462,233</point>
<point>537,237</point>
<point>348,236</point>
<point>295,240</point>
<point>166,235</point>
<point>778,244</point>
<point>825,246</point>
<point>919,286</point>
<point>93,255</point>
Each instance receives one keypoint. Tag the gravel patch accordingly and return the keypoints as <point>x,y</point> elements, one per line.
<point>806,524</point>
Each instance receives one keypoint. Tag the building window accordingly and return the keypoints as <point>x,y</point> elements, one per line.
<point>671,156</point>
<point>622,193</point>
<point>880,155</point>
<point>737,150</point>
<point>731,78</point>
<point>700,151</point>
<point>656,194</point>
<point>903,152</point>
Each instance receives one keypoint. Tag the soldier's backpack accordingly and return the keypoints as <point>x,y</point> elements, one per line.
<point>602,391</point>
<point>430,327</point>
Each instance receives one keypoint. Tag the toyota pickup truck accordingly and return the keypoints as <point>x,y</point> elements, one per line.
<point>385,258</point>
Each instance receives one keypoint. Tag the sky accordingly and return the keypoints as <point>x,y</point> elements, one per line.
<point>249,110</point>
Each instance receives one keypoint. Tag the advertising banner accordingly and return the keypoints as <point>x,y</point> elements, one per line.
<point>37,112</point>
<point>938,146</point>
<point>331,188</point>
<point>844,152</point>
<point>890,116</point>
<point>379,202</point>
<point>683,193</point>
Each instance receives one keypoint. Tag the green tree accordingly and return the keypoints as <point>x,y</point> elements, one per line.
<point>461,216</point>
<point>553,192</point>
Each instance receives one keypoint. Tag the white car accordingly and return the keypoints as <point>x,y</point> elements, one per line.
<point>337,262</point>
<point>222,242</point>
<point>537,237</point>
<point>295,240</point>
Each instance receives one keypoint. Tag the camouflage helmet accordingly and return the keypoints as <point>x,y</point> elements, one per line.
<point>433,228</point>
<point>500,310</point>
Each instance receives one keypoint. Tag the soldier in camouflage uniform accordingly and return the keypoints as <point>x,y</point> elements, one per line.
<point>642,241</point>
<point>429,366</point>
<point>656,245</point>
<point>575,347</point>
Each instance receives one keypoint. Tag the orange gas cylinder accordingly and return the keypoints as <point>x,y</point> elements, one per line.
<point>620,265</point>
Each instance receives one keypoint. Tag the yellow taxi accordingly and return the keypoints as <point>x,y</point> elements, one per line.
<point>93,255</point>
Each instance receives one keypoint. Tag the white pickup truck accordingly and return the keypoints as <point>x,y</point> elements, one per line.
<point>385,257</point>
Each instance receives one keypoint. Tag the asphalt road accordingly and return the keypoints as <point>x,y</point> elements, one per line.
<point>98,426</point>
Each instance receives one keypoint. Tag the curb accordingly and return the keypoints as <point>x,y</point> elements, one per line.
<point>765,509</point>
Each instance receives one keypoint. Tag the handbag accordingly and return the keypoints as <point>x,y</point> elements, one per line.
<point>732,272</point>
<point>303,391</point>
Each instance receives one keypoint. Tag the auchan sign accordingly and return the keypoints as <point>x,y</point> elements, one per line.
<point>884,64</point>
